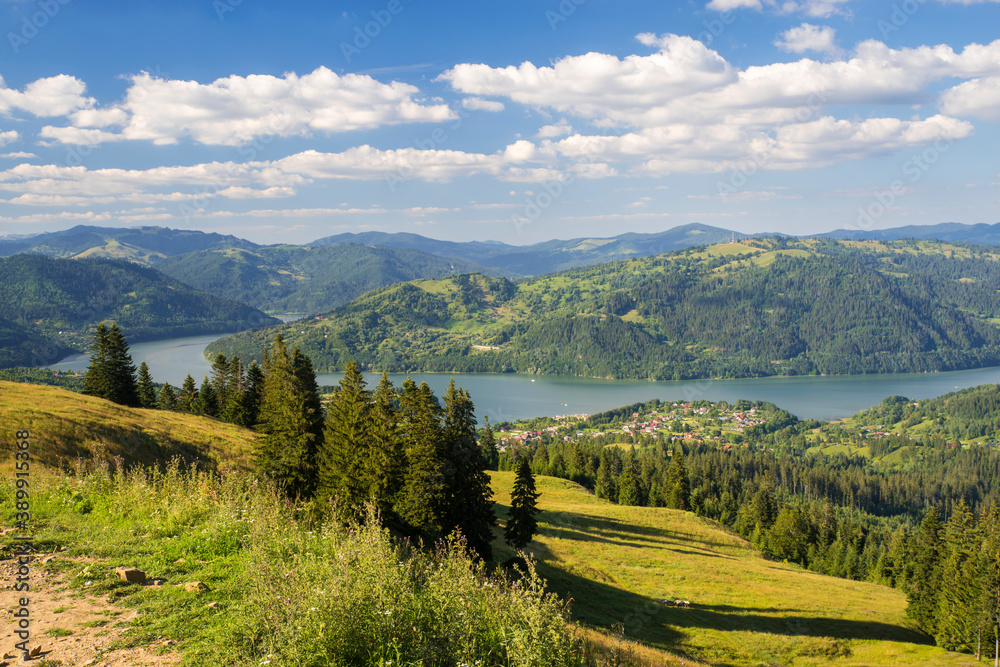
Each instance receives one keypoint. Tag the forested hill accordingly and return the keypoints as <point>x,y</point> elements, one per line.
<point>300,279</point>
<point>48,307</point>
<point>753,308</point>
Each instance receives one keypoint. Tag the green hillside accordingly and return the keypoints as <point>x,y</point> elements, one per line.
<point>617,562</point>
<point>67,428</point>
<point>749,309</point>
<point>48,307</point>
<point>300,279</point>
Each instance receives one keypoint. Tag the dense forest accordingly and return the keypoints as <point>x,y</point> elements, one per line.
<point>757,308</point>
<point>48,307</point>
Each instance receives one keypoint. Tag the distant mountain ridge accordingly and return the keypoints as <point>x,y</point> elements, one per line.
<point>952,232</point>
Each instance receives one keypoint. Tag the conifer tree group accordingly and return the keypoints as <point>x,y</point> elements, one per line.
<point>418,462</point>
<point>111,374</point>
<point>953,580</point>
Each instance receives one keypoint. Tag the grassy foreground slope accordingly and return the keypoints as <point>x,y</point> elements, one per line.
<point>615,562</point>
<point>65,425</point>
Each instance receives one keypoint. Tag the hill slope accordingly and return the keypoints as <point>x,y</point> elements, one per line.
<point>65,426</point>
<point>48,306</point>
<point>300,279</point>
<point>757,308</point>
<point>617,562</point>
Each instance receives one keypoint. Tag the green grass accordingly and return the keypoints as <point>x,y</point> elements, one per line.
<point>66,426</point>
<point>290,591</point>
<point>58,632</point>
<point>616,562</point>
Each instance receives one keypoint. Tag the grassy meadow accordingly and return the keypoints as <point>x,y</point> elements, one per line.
<point>617,562</point>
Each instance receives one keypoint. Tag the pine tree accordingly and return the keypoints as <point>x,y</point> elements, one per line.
<point>124,389</point>
<point>521,525</point>
<point>252,395</point>
<point>388,451</point>
<point>629,488</point>
<point>221,380</point>
<point>167,399</point>
<point>678,486</point>
<point>422,501</point>
<point>187,402</point>
<point>488,443</point>
<point>147,392</point>
<point>606,485</point>
<point>287,421</point>
<point>467,493</point>
<point>345,458</point>
<point>924,584</point>
<point>97,381</point>
<point>234,408</point>
<point>111,373</point>
<point>207,403</point>
<point>956,604</point>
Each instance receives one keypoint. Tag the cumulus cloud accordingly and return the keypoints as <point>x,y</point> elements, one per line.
<point>18,155</point>
<point>479,104</point>
<point>979,98</point>
<point>782,110</point>
<point>9,137</point>
<point>808,37</point>
<point>559,129</point>
<point>53,96</point>
<point>237,109</point>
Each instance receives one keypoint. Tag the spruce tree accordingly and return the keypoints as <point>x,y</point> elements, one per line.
<point>956,603</point>
<point>388,450</point>
<point>678,490</point>
<point>207,403</point>
<point>147,392</point>
<point>287,421</point>
<point>468,496</point>
<point>422,502</point>
<point>488,443</point>
<point>97,381</point>
<point>345,459</point>
<point>521,524</point>
<point>221,380</point>
<point>124,389</point>
<point>924,585</point>
<point>187,401</point>
<point>111,373</point>
<point>167,399</point>
<point>252,395</point>
<point>233,408</point>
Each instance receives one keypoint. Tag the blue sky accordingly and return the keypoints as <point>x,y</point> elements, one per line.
<point>508,120</point>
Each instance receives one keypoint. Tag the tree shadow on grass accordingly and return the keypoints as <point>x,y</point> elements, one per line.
<point>643,618</point>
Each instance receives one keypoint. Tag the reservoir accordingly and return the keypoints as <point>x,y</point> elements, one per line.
<point>507,397</point>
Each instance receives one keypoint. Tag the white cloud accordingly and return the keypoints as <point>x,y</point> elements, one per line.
<point>978,97</point>
<point>53,96</point>
<point>479,104</point>
<point>559,129</point>
<point>815,8</point>
<point>78,135</point>
<point>784,111</point>
<point>236,109</point>
<point>18,155</point>
<point>9,137</point>
<point>808,37</point>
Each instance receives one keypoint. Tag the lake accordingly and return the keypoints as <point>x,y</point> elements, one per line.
<point>506,397</point>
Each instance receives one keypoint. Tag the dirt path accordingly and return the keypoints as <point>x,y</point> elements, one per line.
<point>72,627</point>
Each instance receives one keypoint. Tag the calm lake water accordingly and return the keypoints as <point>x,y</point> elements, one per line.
<point>505,397</point>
